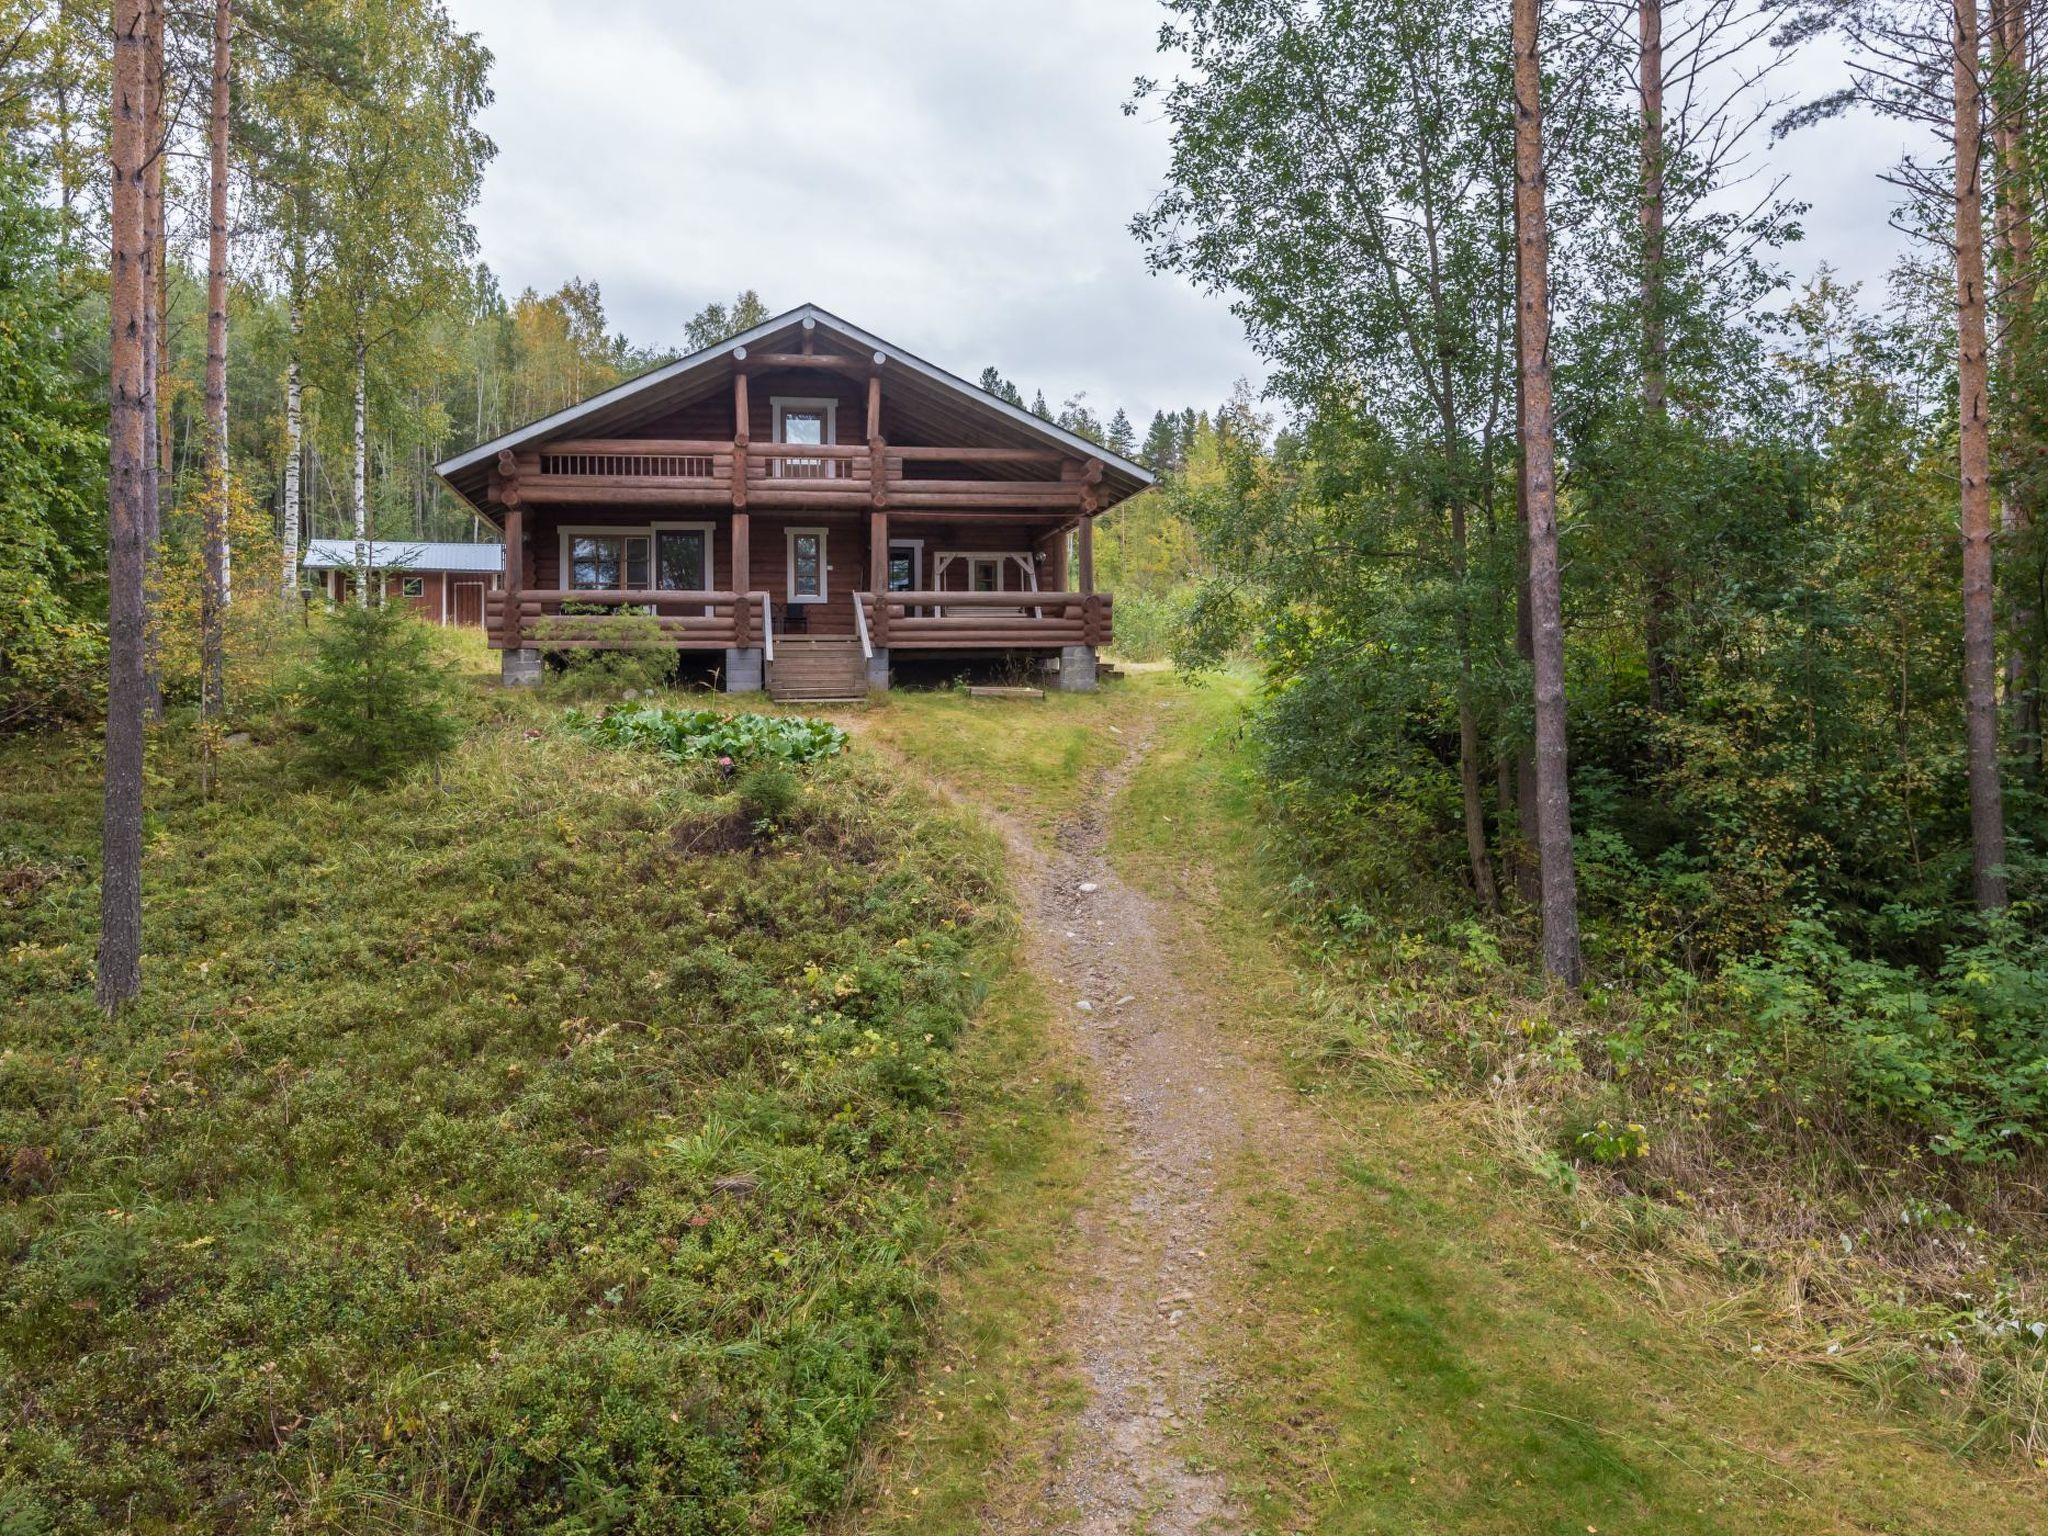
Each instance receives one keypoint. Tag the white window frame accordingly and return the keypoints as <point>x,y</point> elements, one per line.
<point>943,560</point>
<point>789,538</point>
<point>710,532</point>
<point>778,404</point>
<point>406,581</point>
<point>569,534</point>
<point>916,548</point>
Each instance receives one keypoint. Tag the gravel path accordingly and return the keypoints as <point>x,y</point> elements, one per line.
<point>1181,1105</point>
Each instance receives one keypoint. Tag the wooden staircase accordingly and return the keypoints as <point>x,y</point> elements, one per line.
<point>817,671</point>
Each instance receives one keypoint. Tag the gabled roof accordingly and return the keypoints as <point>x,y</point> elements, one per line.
<point>392,554</point>
<point>687,378</point>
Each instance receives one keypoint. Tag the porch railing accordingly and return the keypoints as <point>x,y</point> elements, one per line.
<point>985,620</point>
<point>562,619</point>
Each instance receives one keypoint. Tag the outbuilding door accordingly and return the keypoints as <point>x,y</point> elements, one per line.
<point>468,604</point>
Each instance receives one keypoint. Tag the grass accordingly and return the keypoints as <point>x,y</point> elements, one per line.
<point>1030,759</point>
<point>490,1152</point>
<point>999,1382</point>
<point>1420,1345</point>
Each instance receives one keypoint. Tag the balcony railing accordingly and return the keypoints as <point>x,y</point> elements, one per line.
<point>692,472</point>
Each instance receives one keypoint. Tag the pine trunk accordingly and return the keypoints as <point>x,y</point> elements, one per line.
<point>1561,957</point>
<point>213,575</point>
<point>360,489</point>
<point>120,953</point>
<point>155,440</point>
<point>1980,636</point>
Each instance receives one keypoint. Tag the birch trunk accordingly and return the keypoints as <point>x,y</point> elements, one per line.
<point>294,438</point>
<point>1656,344</point>
<point>120,950</point>
<point>2012,138</point>
<point>360,489</point>
<point>1980,637</point>
<point>1561,956</point>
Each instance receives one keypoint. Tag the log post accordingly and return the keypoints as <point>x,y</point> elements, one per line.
<point>1055,544</point>
<point>515,567</point>
<point>875,404</point>
<point>1087,545</point>
<point>878,571</point>
<point>741,435</point>
<point>742,566</point>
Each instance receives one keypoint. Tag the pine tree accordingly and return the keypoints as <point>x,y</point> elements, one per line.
<point>1561,954</point>
<point>133,399</point>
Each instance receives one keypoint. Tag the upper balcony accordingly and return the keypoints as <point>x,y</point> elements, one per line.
<point>677,472</point>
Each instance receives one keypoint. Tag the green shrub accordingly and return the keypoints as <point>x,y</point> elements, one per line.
<point>375,698</point>
<point>705,735</point>
<point>1149,625</point>
<point>1961,1055</point>
<point>641,665</point>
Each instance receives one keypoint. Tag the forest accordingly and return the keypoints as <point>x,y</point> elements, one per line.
<point>1639,633</point>
<point>1802,713</point>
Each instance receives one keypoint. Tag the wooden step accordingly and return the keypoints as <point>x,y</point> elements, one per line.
<point>822,671</point>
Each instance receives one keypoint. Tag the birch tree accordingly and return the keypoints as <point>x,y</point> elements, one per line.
<point>408,167</point>
<point>1345,174</point>
<point>297,76</point>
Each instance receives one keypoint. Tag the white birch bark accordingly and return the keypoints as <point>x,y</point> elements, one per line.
<point>360,490</point>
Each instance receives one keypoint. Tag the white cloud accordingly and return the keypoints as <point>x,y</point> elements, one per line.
<point>955,175</point>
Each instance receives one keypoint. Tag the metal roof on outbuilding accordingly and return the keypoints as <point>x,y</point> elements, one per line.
<point>398,554</point>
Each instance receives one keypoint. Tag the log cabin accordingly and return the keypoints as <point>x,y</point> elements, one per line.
<point>803,503</point>
<point>442,583</point>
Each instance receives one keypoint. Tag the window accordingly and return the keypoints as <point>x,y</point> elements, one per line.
<point>806,421</point>
<point>902,568</point>
<point>682,559</point>
<point>807,565</point>
<point>608,562</point>
<point>412,586</point>
<point>987,572</point>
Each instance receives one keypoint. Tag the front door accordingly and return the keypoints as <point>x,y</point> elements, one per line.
<point>807,568</point>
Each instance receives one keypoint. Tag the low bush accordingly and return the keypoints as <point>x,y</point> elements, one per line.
<point>473,1161</point>
<point>639,664</point>
<point>705,735</point>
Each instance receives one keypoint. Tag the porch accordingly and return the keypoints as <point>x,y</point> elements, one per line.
<point>583,618</point>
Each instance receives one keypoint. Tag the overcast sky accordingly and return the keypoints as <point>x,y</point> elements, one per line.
<point>955,175</point>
